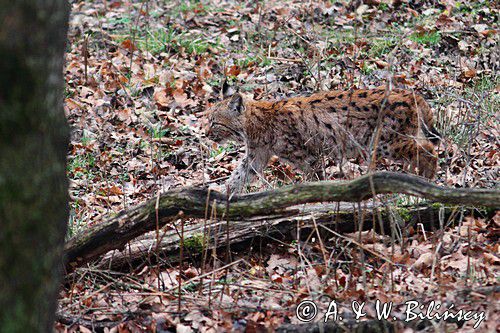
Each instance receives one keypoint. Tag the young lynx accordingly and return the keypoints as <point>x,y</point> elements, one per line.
<point>333,124</point>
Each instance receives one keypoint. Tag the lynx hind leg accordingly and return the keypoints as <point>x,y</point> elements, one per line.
<point>425,160</point>
<point>316,170</point>
<point>312,168</point>
<point>422,157</point>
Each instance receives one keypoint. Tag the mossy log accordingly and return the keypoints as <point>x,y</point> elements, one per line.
<point>244,235</point>
<point>192,203</point>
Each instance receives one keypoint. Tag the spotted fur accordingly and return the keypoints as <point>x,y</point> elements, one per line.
<point>334,124</point>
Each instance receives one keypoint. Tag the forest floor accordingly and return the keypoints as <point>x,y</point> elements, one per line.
<point>139,76</point>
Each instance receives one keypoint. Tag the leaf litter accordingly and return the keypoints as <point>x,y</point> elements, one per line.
<point>139,76</point>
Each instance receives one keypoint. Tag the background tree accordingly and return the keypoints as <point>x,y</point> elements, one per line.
<point>33,148</point>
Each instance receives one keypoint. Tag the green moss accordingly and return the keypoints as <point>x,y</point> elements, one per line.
<point>157,132</point>
<point>81,165</point>
<point>254,59</point>
<point>367,69</point>
<point>383,6</point>
<point>382,46</point>
<point>427,38</point>
<point>191,287</point>
<point>405,214</point>
<point>195,243</point>
<point>436,205</point>
<point>167,39</point>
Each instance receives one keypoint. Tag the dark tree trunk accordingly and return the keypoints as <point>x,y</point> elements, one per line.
<point>33,146</point>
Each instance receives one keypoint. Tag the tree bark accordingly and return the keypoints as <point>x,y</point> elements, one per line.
<point>192,203</point>
<point>33,148</point>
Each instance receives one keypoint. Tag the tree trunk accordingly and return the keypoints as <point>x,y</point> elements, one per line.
<point>33,147</point>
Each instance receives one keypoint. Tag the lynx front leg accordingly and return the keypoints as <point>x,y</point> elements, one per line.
<point>239,176</point>
<point>251,165</point>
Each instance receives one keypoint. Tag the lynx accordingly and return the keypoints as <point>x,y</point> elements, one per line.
<point>335,124</point>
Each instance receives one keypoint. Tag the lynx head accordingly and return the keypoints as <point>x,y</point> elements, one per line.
<point>225,118</point>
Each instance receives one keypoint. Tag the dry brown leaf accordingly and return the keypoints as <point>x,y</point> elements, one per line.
<point>469,72</point>
<point>128,45</point>
<point>491,258</point>
<point>161,98</point>
<point>425,260</point>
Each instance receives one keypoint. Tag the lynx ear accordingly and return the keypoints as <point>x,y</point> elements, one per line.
<point>236,103</point>
<point>227,90</point>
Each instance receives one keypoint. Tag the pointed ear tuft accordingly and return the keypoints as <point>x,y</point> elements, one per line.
<point>236,103</point>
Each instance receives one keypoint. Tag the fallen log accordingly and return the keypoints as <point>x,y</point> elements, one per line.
<point>243,235</point>
<point>116,232</point>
